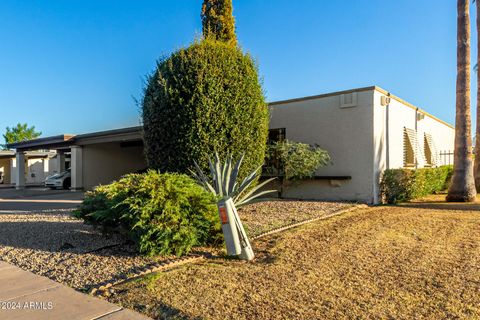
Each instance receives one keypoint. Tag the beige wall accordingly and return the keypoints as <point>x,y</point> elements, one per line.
<point>105,162</point>
<point>345,132</point>
<point>5,169</point>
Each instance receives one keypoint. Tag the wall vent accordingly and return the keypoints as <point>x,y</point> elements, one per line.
<point>348,100</point>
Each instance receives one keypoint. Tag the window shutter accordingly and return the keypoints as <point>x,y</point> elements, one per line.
<point>430,150</point>
<point>410,147</point>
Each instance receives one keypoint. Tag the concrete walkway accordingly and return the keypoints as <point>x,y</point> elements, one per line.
<point>38,199</point>
<point>25,296</point>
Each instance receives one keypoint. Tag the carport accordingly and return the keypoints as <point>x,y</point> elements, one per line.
<point>6,157</point>
<point>26,149</point>
<point>96,158</point>
<point>35,165</point>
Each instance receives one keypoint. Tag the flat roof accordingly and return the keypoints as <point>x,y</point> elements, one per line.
<point>43,143</point>
<point>370,88</point>
<point>9,154</point>
<point>66,140</point>
<point>116,135</point>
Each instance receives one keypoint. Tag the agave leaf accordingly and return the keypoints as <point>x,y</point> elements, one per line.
<point>218,174</point>
<point>197,177</point>
<point>234,176</point>
<point>203,179</point>
<point>212,169</point>
<point>213,172</point>
<point>199,173</point>
<point>224,180</point>
<point>223,168</point>
<point>253,190</point>
<point>247,182</point>
<point>205,184</point>
<point>249,200</point>
<point>211,188</point>
<point>228,175</point>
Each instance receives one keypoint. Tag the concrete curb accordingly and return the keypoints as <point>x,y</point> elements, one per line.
<point>297,224</point>
<point>105,288</point>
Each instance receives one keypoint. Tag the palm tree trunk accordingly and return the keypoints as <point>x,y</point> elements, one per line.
<point>476,168</point>
<point>462,188</point>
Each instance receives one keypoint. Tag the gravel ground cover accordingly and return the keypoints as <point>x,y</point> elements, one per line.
<point>415,261</point>
<point>265,216</point>
<point>55,245</point>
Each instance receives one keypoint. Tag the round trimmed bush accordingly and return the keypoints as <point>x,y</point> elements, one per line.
<point>202,99</point>
<point>163,213</point>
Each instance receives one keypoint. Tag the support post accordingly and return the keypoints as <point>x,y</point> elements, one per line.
<point>21,179</point>
<point>76,168</point>
<point>61,161</point>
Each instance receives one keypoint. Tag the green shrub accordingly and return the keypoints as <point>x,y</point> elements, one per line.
<point>218,21</point>
<point>162,213</point>
<point>399,185</point>
<point>104,206</point>
<point>202,99</point>
<point>295,160</point>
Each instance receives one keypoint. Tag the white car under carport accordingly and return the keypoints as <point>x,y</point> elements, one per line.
<point>59,180</point>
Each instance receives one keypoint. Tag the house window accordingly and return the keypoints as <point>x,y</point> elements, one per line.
<point>409,148</point>
<point>272,165</point>
<point>430,151</point>
<point>276,135</point>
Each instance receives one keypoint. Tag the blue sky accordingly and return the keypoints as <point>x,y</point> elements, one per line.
<point>76,66</point>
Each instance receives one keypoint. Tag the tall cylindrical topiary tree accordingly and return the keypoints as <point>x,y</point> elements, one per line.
<point>203,99</point>
<point>218,22</point>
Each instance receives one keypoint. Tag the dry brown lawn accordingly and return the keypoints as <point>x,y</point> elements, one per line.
<point>415,261</point>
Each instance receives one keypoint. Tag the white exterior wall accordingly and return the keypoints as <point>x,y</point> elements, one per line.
<point>401,115</point>
<point>346,133</point>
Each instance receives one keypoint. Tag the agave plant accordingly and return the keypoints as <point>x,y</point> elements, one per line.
<point>224,184</point>
<point>231,194</point>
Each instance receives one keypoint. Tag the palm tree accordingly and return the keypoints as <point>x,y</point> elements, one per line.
<point>476,168</point>
<point>462,188</point>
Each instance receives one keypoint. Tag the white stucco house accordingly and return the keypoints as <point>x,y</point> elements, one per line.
<point>365,131</point>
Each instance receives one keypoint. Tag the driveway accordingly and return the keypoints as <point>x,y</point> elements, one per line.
<point>32,199</point>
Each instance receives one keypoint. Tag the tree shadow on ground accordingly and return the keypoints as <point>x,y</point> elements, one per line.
<point>54,236</point>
